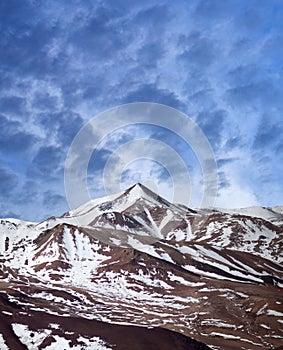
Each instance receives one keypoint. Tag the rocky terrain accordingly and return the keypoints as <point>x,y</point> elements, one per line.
<point>134,271</point>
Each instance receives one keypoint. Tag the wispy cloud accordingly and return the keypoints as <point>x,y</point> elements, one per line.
<point>62,63</point>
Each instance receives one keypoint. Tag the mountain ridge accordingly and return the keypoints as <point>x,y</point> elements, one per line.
<point>139,260</point>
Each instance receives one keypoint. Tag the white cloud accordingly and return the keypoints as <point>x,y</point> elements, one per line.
<point>236,196</point>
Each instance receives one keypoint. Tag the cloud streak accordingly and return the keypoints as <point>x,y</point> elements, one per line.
<point>62,63</point>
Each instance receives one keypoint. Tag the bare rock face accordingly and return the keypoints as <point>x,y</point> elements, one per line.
<point>133,271</point>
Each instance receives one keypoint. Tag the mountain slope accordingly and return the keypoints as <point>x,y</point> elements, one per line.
<point>135,259</point>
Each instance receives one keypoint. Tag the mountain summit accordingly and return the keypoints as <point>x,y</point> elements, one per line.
<point>139,191</point>
<point>134,271</point>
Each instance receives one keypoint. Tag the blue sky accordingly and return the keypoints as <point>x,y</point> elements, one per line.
<point>63,62</point>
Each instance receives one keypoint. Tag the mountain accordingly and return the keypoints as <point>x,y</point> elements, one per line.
<point>134,271</point>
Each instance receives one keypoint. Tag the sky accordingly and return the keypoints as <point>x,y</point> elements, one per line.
<point>64,63</point>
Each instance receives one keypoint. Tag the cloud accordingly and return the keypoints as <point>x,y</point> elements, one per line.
<point>201,51</point>
<point>44,101</point>
<point>204,97</point>
<point>265,145</point>
<point>265,136</point>
<point>12,138</point>
<point>51,199</point>
<point>13,105</point>
<point>150,53</point>
<point>223,161</point>
<point>8,182</point>
<point>212,123</point>
<point>223,182</point>
<point>98,36</point>
<point>243,73</point>
<point>63,125</point>
<point>28,192</point>
<point>236,196</point>
<point>253,95</point>
<point>151,93</point>
<point>47,160</point>
<point>63,63</point>
<point>8,213</point>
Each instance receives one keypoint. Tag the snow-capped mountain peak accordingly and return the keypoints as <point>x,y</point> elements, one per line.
<point>119,201</point>
<point>141,192</point>
<point>135,259</point>
<point>137,196</point>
